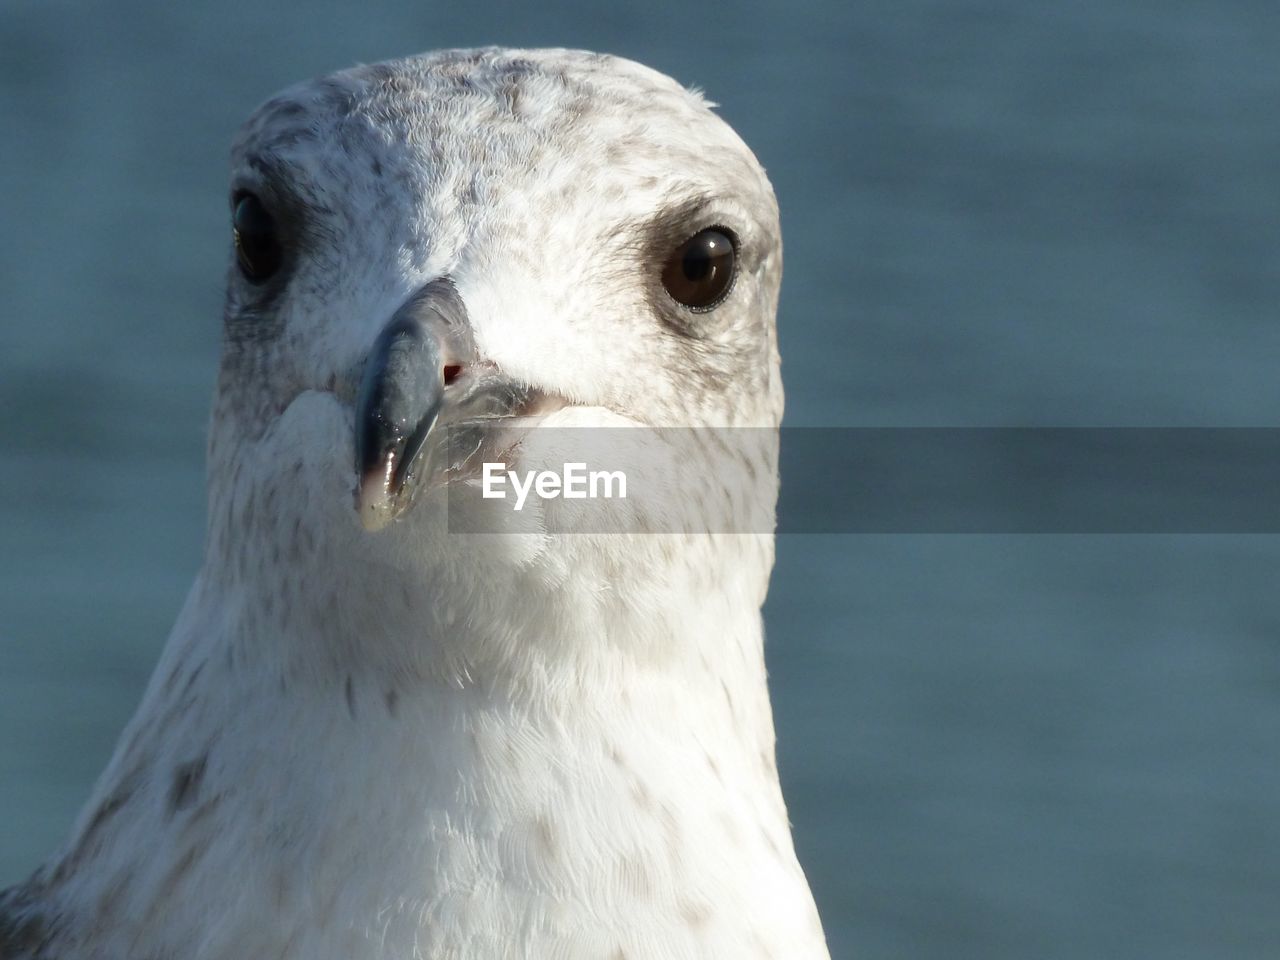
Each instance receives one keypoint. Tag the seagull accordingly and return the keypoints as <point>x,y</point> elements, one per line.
<point>370,735</point>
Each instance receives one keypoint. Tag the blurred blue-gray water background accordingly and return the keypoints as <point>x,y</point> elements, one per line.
<point>1000,213</point>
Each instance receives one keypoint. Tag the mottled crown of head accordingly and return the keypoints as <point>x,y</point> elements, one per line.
<point>491,84</point>
<point>541,98</point>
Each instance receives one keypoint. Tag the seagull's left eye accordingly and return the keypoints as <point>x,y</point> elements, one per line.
<point>258,249</point>
<point>700,271</point>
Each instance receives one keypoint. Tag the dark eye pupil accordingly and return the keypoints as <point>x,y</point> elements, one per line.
<point>258,249</point>
<point>700,271</point>
<point>699,263</point>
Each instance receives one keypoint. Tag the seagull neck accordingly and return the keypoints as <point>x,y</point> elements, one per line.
<point>649,763</point>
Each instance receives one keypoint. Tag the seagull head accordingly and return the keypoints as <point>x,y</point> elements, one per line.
<point>486,237</point>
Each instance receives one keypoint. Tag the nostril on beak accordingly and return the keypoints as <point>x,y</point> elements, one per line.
<point>450,373</point>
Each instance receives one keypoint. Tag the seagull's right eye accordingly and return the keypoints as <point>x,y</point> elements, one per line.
<point>258,249</point>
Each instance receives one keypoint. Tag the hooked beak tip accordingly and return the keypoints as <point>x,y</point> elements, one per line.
<point>374,500</point>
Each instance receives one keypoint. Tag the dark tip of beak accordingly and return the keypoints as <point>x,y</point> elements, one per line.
<point>400,397</point>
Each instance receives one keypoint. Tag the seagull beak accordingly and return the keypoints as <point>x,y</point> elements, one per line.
<point>413,363</point>
<point>423,376</point>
